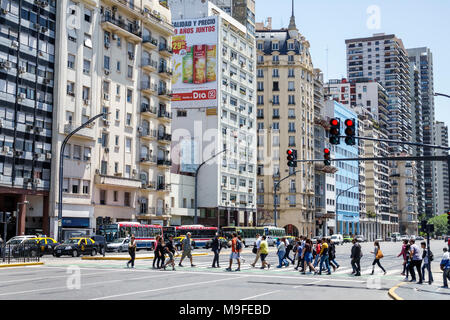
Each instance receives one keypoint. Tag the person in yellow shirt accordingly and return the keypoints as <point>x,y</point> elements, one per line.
<point>264,251</point>
<point>324,257</point>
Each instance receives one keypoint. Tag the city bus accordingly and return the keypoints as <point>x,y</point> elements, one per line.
<point>199,233</point>
<point>248,234</point>
<point>169,231</point>
<point>144,234</point>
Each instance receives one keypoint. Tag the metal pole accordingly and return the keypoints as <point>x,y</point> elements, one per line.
<point>275,203</point>
<point>428,254</point>
<point>61,170</point>
<point>401,142</point>
<point>5,230</point>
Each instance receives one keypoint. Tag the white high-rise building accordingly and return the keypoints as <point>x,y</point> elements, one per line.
<point>113,57</point>
<point>226,183</point>
<point>442,171</point>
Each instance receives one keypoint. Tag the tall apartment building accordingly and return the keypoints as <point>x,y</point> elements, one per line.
<point>422,58</point>
<point>383,58</point>
<point>324,180</point>
<point>404,198</point>
<point>285,101</point>
<point>347,175</point>
<point>417,135</point>
<point>442,186</point>
<point>370,102</point>
<point>203,128</point>
<point>27,66</point>
<point>241,10</point>
<point>113,57</point>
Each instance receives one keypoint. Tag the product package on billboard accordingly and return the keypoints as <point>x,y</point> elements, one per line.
<point>199,64</point>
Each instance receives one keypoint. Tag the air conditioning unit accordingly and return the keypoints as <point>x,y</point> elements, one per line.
<point>29,127</point>
<point>47,81</point>
<point>134,171</point>
<point>106,123</point>
<point>37,129</point>
<point>106,96</point>
<point>114,36</point>
<point>5,65</point>
<point>44,29</point>
<point>15,44</point>
<point>107,45</point>
<point>18,153</point>
<point>48,156</point>
<point>97,171</point>
<point>106,150</point>
<point>130,56</point>
<point>36,181</point>
<point>140,129</point>
<point>106,72</point>
<point>3,11</point>
<point>21,69</point>
<point>5,149</point>
<point>86,102</point>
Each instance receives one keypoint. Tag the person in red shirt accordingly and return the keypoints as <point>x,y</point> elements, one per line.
<point>236,247</point>
<point>317,249</point>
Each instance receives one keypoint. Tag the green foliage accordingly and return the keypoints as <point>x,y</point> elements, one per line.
<point>440,224</point>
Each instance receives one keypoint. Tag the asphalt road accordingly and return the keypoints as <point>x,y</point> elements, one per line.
<point>73,278</point>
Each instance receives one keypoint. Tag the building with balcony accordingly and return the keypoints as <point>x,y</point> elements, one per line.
<point>226,183</point>
<point>241,10</point>
<point>383,58</point>
<point>27,68</point>
<point>285,106</point>
<point>113,58</point>
<point>442,171</point>
<point>404,198</point>
<point>422,60</point>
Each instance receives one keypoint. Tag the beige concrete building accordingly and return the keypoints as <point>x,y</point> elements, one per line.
<point>114,57</point>
<point>285,112</point>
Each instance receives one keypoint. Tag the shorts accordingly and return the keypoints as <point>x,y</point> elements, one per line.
<point>308,258</point>
<point>186,254</point>
<point>170,254</point>
<point>263,256</point>
<point>234,255</point>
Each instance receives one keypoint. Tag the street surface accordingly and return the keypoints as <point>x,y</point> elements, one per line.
<point>73,278</point>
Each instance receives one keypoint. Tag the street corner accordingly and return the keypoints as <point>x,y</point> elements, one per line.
<point>415,291</point>
<point>25,264</point>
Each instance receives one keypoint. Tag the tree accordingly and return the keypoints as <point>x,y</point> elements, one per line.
<point>440,224</point>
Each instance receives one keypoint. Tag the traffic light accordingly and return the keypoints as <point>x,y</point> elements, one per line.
<point>292,157</point>
<point>350,132</point>
<point>327,157</point>
<point>423,225</point>
<point>335,131</point>
<point>448,222</point>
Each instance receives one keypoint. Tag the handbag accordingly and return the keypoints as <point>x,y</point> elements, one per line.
<point>255,249</point>
<point>379,254</point>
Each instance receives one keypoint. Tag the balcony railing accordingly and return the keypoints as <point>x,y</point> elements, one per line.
<point>149,39</point>
<point>148,158</point>
<point>164,114</point>
<point>149,62</point>
<point>147,108</point>
<point>164,162</point>
<point>164,92</point>
<point>165,137</point>
<point>145,85</point>
<point>122,24</point>
<point>166,48</point>
<point>165,70</point>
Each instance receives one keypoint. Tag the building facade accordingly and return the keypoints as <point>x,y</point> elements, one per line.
<point>241,10</point>
<point>442,171</point>
<point>27,68</point>
<point>227,182</point>
<point>285,111</point>
<point>114,58</point>
<point>422,59</point>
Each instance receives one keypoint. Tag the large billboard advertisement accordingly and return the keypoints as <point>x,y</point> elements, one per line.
<point>194,81</point>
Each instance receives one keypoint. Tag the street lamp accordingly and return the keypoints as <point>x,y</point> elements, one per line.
<point>441,94</point>
<point>17,214</point>
<point>196,184</point>
<point>61,168</point>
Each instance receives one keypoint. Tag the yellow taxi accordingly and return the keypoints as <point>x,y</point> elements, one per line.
<point>46,244</point>
<point>76,246</point>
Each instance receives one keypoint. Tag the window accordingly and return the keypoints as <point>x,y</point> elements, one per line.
<point>116,196</point>
<point>76,152</point>
<point>104,167</point>
<point>130,72</point>
<point>128,145</point>
<point>291,73</point>
<point>126,199</point>
<point>116,141</point>
<point>71,88</point>
<point>86,187</point>
<point>75,186</point>
<point>275,46</point>
<point>129,95</point>
<point>71,61</point>
<point>87,41</point>
<point>87,15</point>
<point>106,62</point>
<point>87,154</point>
<point>128,119</point>
<point>67,152</point>
<point>86,93</point>
<point>127,171</point>
<point>65,185</point>
<point>275,73</point>
<point>104,139</point>
<point>86,66</point>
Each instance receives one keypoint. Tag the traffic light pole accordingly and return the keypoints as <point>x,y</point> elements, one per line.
<point>275,187</point>
<point>5,230</point>
<point>402,142</point>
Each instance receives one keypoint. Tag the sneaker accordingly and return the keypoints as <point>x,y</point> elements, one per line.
<point>252,265</point>
<point>192,265</point>
<point>358,275</point>
<point>228,269</point>
<point>420,282</point>
<point>329,273</point>
<point>303,272</point>
<point>238,269</point>
<point>268,266</point>
<point>384,273</point>
<point>412,280</point>
<point>372,272</point>
<point>173,268</point>
<point>295,268</point>
<point>446,287</point>
<point>406,279</point>
<point>402,274</point>
<point>164,268</point>
<point>262,268</point>
<point>337,267</point>
<point>180,265</point>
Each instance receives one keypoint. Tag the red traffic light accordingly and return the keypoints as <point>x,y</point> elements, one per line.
<point>334,122</point>
<point>290,151</point>
<point>349,122</point>
<point>326,151</point>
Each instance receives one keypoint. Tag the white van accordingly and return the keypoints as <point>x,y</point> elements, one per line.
<point>337,238</point>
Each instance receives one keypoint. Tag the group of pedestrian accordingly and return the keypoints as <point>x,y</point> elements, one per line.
<point>162,249</point>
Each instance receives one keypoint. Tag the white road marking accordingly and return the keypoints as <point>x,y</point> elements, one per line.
<point>260,295</point>
<point>167,288</point>
<point>309,283</point>
<point>84,285</point>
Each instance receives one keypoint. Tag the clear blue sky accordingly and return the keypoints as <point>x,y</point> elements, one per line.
<point>327,23</point>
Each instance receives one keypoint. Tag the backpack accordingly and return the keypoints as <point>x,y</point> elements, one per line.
<point>431,255</point>
<point>238,245</point>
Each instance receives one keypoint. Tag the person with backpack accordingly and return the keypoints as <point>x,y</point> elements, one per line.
<point>236,246</point>
<point>445,267</point>
<point>355,257</point>
<point>378,256</point>
<point>256,249</point>
<point>307,257</point>
<point>426,261</point>
<point>416,261</point>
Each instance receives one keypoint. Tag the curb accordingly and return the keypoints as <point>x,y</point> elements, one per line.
<point>137,258</point>
<point>21,264</point>
<point>392,293</point>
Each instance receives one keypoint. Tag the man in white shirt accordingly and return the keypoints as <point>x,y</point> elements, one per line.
<point>258,254</point>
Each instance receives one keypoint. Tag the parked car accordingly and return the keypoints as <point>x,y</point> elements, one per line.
<point>347,238</point>
<point>360,238</point>
<point>118,245</point>
<point>100,241</point>
<point>388,238</point>
<point>19,239</point>
<point>420,238</point>
<point>412,237</point>
<point>46,244</point>
<point>337,239</point>
<point>404,237</point>
<point>446,238</point>
<point>76,247</point>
